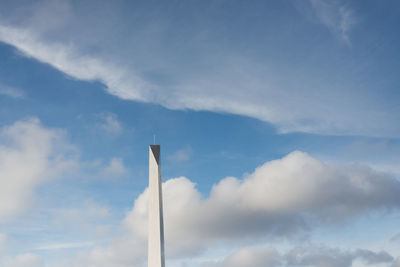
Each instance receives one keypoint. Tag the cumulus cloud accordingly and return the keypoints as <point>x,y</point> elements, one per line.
<point>329,257</point>
<point>249,258</point>
<point>282,198</point>
<point>317,256</point>
<point>370,257</point>
<point>396,263</point>
<point>30,155</point>
<point>128,252</point>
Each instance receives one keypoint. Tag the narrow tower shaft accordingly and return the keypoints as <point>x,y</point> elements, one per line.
<point>156,224</point>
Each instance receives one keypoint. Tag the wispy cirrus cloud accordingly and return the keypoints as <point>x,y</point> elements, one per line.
<point>220,80</point>
<point>85,216</point>
<point>181,155</point>
<point>110,123</point>
<point>57,246</point>
<point>337,16</point>
<point>68,59</point>
<point>11,92</point>
<point>115,168</point>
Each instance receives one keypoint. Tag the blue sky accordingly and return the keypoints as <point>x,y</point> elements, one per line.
<point>278,120</point>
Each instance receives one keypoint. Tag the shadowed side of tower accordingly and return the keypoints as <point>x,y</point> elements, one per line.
<point>156,223</point>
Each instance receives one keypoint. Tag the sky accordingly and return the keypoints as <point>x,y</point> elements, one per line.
<point>279,126</point>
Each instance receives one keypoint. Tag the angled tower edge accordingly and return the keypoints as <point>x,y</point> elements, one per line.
<point>156,220</point>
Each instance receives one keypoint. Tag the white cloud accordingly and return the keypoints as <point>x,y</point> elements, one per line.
<point>69,245</point>
<point>395,238</point>
<point>68,59</point>
<point>336,16</point>
<point>180,155</point>
<point>30,154</point>
<point>371,258</point>
<point>115,168</point>
<point>85,216</point>
<point>330,257</point>
<point>318,256</point>
<point>25,260</point>
<point>3,239</point>
<point>11,92</point>
<point>110,123</point>
<point>275,92</point>
<point>123,252</point>
<point>280,198</point>
<point>249,258</point>
<point>396,263</point>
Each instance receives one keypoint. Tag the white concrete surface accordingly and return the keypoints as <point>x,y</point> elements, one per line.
<point>156,223</point>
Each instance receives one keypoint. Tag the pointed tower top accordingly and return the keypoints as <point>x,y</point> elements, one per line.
<point>155,149</point>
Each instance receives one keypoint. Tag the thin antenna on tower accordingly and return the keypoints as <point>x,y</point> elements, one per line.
<point>154,139</point>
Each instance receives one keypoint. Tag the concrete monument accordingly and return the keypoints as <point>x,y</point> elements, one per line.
<point>156,223</point>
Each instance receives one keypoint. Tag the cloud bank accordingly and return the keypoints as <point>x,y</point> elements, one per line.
<point>283,199</point>
<point>317,256</point>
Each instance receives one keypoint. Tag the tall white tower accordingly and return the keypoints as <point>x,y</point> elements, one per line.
<point>155,253</point>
